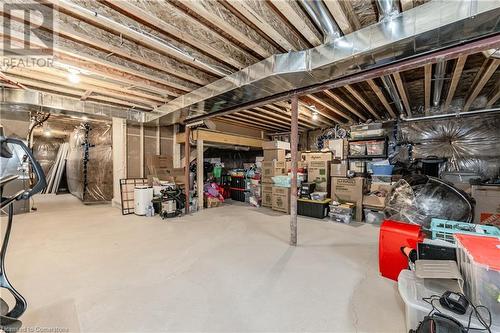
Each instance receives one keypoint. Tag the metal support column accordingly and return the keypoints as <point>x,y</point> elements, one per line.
<point>199,172</point>
<point>187,153</point>
<point>294,142</point>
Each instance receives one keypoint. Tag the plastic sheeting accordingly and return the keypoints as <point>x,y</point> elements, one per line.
<point>419,198</point>
<point>45,151</point>
<point>470,144</point>
<point>99,165</point>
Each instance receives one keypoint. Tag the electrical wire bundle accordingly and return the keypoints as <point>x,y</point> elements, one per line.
<point>475,310</point>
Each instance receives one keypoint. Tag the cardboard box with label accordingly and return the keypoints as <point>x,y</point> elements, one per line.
<point>274,154</point>
<point>338,168</point>
<point>487,200</point>
<point>339,148</point>
<point>276,145</point>
<point>267,195</point>
<point>301,165</point>
<point>281,199</point>
<point>318,172</point>
<point>316,156</point>
<point>271,169</point>
<point>377,200</point>
<point>350,190</point>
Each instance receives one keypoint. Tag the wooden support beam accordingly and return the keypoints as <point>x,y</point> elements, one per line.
<point>361,100</point>
<point>187,154</point>
<point>402,92</point>
<point>45,86</point>
<point>293,13</point>
<point>427,88</point>
<point>494,95</point>
<point>119,29</point>
<point>176,148</point>
<point>158,24</point>
<point>86,95</point>
<point>250,117</point>
<point>244,122</point>
<point>240,123</point>
<point>294,142</point>
<point>264,18</point>
<point>67,31</point>
<point>381,97</point>
<point>482,78</point>
<point>457,72</point>
<point>221,19</point>
<point>329,107</point>
<point>279,117</point>
<point>199,173</point>
<point>224,138</point>
<point>346,105</point>
<point>406,4</point>
<point>62,81</point>
<point>339,15</point>
<point>107,69</point>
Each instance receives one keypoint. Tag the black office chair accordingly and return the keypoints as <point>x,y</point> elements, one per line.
<point>9,321</point>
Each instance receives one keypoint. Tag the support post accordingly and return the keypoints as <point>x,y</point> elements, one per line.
<point>119,136</point>
<point>141,160</point>
<point>294,140</point>
<point>176,148</point>
<point>187,153</point>
<point>199,172</point>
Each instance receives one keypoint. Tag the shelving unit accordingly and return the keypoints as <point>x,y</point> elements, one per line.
<point>367,157</point>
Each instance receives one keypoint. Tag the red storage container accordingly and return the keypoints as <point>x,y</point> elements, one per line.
<point>394,235</point>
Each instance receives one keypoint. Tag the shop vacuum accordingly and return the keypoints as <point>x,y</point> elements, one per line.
<point>9,318</point>
<point>173,202</point>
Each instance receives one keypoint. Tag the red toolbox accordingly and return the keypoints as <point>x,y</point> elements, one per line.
<point>394,235</point>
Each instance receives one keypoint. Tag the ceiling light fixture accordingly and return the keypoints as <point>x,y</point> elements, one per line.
<point>315,116</point>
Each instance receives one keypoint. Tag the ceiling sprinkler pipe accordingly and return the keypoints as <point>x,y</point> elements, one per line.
<point>451,115</point>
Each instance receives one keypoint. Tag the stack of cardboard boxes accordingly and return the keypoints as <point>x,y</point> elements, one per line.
<point>274,164</point>
<point>343,189</point>
<point>318,169</point>
<point>160,166</point>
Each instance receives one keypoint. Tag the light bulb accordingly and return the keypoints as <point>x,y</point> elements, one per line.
<point>73,78</point>
<point>315,116</point>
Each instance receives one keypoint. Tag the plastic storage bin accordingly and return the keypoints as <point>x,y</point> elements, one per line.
<point>382,170</point>
<point>357,166</point>
<point>381,179</point>
<point>373,216</point>
<point>375,148</point>
<point>412,290</point>
<point>343,218</point>
<point>313,208</point>
<point>357,148</point>
<point>445,229</point>
<point>478,259</point>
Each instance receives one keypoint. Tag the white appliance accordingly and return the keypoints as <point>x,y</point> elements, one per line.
<point>142,197</point>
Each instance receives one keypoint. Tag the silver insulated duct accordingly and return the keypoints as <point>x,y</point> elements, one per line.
<point>433,26</point>
<point>321,17</point>
<point>387,10</point>
<point>30,100</point>
<point>439,76</point>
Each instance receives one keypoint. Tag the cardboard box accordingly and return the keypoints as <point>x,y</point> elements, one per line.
<point>373,201</point>
<point>487,200</point>
<point>159,161</point>
<point>274,154</point>
<point>351,190</point>
<point>319,173</point>
<point>281,199</point>
<point>300,165</point>
<point>210,202</point>
<point>338,168</point>
<point>339,148</point>
<point>276,145</point>
<point>267,195</point>
<point>271,169</point>
<point>316,156</point>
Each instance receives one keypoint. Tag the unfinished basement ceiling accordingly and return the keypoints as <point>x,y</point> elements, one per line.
<point>138,55</point>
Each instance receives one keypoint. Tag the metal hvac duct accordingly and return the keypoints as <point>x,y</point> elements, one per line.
<point>431,27</point>
<point>322,18</point>
<point>439,73</point>
<point>30,100</point>
<point>387,9</point>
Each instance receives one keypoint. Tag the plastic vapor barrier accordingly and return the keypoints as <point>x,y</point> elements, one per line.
<point>90,177</point>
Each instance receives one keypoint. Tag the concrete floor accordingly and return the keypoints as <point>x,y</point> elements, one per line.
<point>226,269</point>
